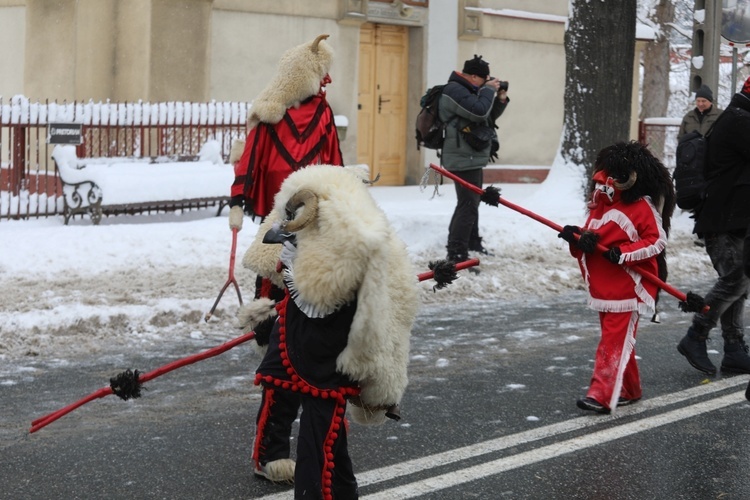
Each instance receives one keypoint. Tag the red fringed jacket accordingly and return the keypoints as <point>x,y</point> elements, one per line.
<point>637,230</point>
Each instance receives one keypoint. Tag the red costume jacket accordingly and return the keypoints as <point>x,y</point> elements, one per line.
<point>637,230</point>
<point>305,136</point>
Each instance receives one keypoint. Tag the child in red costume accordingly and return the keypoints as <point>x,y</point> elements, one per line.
<point>631,193</point>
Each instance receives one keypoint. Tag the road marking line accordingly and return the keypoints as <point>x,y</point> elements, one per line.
<point>494,467</point>
<point>447,457</point>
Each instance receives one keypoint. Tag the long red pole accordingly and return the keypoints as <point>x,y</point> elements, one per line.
<point>214,351</point>
<point>106,391</point>
<point>647,275</point>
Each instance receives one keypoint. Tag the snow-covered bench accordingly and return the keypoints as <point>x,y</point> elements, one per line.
<point>100,186</point>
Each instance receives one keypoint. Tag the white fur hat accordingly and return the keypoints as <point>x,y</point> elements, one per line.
<point>298,77</point>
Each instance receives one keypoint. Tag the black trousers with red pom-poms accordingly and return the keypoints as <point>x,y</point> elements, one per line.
<point>324,468</point>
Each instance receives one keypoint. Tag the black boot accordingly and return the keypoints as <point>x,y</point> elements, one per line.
<point>693,347</point>
<point>456,252</point>
<point>475,245</point>
<point>736,359</point>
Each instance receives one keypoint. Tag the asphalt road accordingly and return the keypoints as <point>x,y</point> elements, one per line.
<point>489,413</point>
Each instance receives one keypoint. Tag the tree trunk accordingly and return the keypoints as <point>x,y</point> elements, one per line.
<point>599,51</point>
<point>656,64</point>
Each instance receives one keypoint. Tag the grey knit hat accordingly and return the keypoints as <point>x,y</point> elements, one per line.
<point>705,92</point>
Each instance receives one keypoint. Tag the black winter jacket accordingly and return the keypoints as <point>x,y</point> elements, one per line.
<point>461,105</point>
<point>727,204</point>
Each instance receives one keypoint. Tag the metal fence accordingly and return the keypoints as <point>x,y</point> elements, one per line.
<point>660,134</point>
<point>29,182</point>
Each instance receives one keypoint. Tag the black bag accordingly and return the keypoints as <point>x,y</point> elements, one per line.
<point>689,180</point>
<point>430,129</point>
<point>479,136</point>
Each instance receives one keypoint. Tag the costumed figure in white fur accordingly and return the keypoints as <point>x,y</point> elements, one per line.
<point>631,206</point>
<point>342,331</point>
<point>290,126</point>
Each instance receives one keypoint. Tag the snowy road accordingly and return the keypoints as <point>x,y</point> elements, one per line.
<point>497,362</point>
<point>489,413</point>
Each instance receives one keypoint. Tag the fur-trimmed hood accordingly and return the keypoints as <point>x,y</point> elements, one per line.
<point>349,250</point>
<point>298,77</point>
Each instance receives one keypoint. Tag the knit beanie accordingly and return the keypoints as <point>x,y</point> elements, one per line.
<point>705,92</point>
<point>746,87</point>
<point>477,66</point>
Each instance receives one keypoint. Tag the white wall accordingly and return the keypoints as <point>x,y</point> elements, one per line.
<point>245,53</point>
<point>442,41</point>
<point>12,41</point>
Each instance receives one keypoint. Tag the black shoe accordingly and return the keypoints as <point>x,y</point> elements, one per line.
<point>626,402</point>
<point>482,250</point>
<point>695,352</point>
<point>591,404</point>
<point>736,359</point>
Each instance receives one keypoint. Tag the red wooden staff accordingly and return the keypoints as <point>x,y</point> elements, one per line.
<point>127,384</point>
<point>689,302</point>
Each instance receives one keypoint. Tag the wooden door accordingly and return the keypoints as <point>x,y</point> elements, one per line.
<point>381,119</point>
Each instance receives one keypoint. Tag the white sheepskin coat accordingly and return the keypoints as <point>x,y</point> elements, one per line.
<point>350,250</point>
<point>298,77</point>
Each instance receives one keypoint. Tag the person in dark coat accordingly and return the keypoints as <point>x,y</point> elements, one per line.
<point>470,98</point>
<point>701,117</point>
<point>722,221</point>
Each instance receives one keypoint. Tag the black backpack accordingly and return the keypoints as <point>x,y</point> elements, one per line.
<point>430,130</point>
<point>689,179</point>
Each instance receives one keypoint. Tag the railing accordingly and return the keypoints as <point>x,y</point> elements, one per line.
<point>29,183</point>
<point>660,134</point>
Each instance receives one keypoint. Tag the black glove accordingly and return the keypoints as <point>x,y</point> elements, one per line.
<point>613,255</point>
<point>568,233</point>
<point>263,331</point>
<point>694,303</point>
<point>587,242</point>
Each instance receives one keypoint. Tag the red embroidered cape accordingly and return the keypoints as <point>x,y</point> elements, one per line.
<point>305,136</point>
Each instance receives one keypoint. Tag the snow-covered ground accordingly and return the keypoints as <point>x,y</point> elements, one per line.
<point>138,282</point>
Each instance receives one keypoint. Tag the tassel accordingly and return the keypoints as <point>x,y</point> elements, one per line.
<point>126,385</point>
<point>445,273</point>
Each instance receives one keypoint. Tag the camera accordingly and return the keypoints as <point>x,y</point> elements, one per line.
<point>503,85</point>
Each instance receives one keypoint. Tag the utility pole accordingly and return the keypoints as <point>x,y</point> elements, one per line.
<point>704,69</point>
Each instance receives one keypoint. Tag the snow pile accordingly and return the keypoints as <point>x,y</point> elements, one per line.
<point>137,282</point>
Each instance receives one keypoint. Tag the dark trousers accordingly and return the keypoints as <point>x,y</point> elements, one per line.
<point>727,297</point>
<point>323,469</point>
<point>273,425</point>
<point>465,218</point>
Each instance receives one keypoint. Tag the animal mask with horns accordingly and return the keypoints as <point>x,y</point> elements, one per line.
<point>301,73</point>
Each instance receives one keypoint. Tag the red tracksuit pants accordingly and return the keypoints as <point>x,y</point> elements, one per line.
<point>615,368</point>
